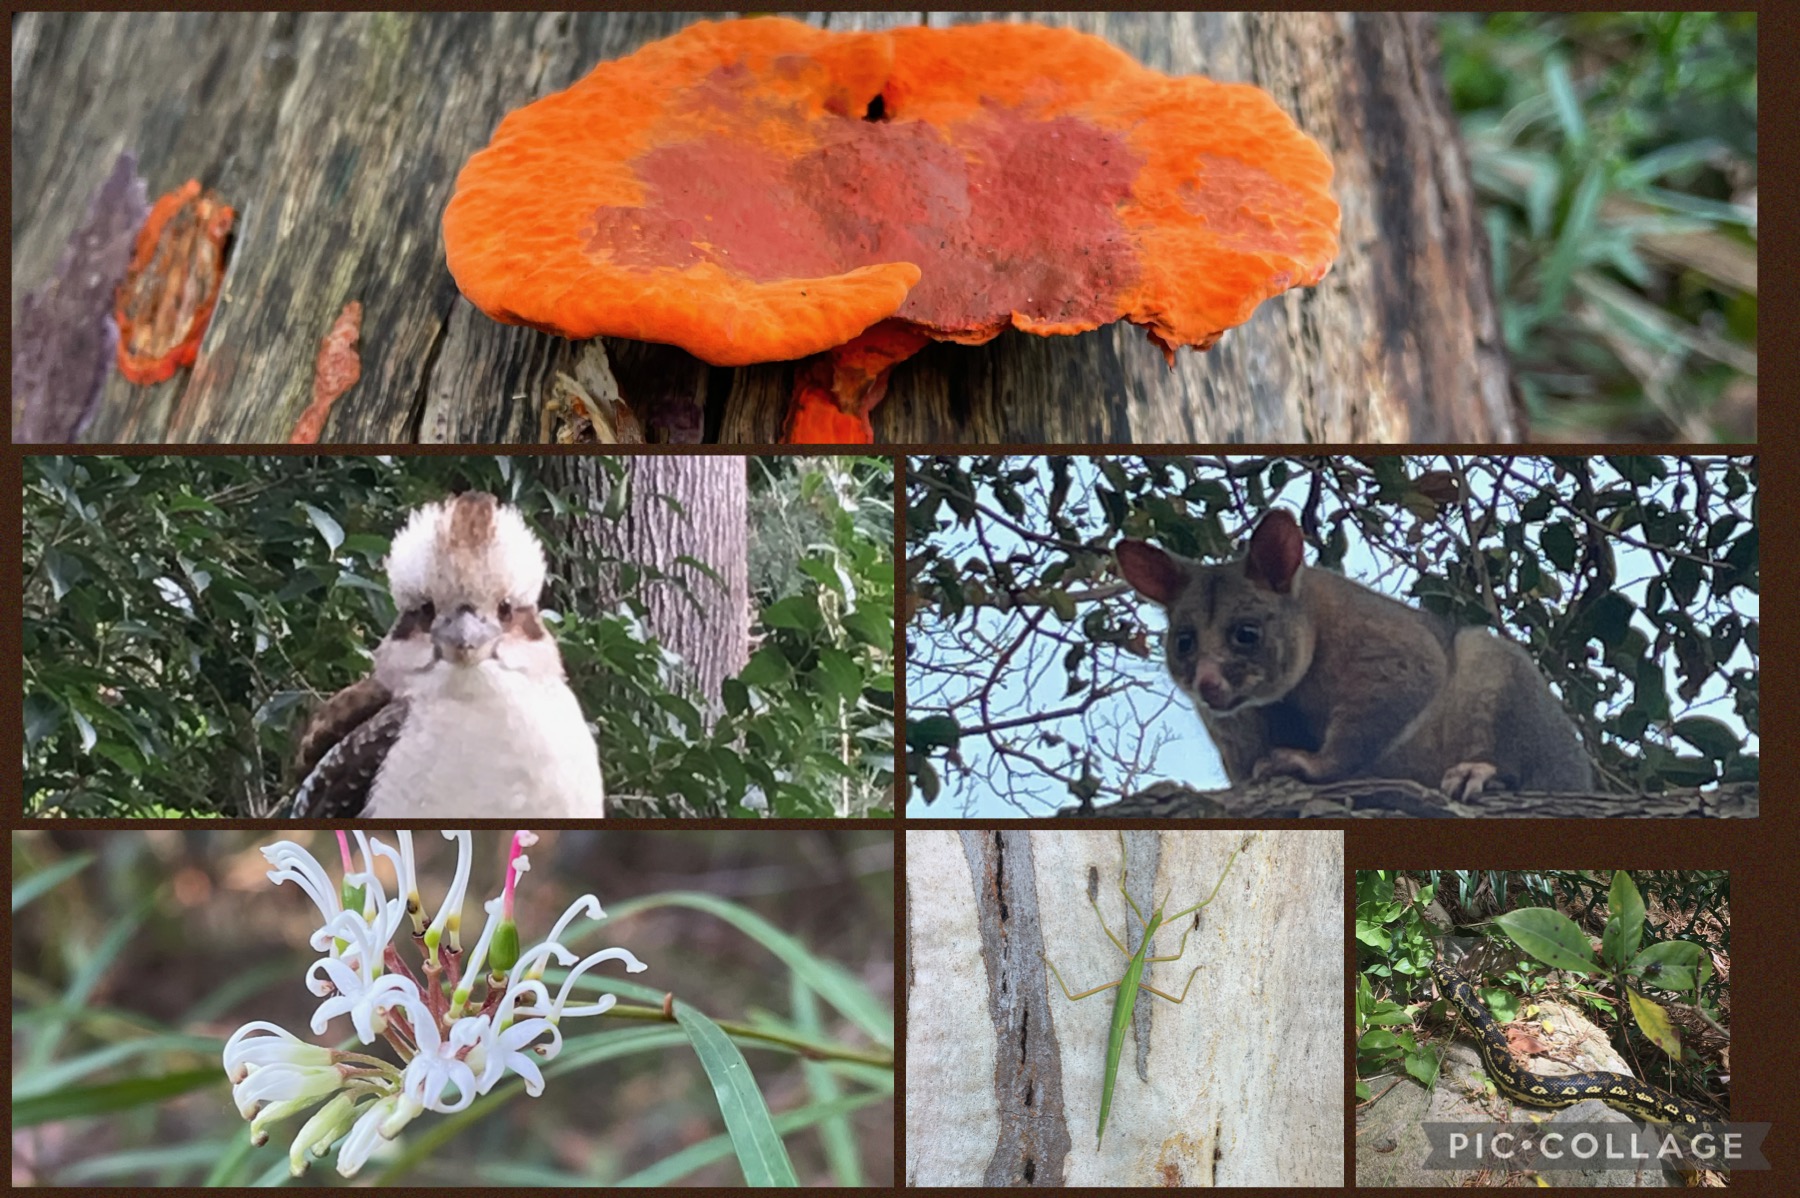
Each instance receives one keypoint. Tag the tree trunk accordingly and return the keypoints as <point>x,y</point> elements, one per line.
<point>675,507</point>
<point>338,137</point>
<point>1240,1085</point>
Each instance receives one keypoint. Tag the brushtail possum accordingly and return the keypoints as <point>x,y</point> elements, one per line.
<point>1303,672</point>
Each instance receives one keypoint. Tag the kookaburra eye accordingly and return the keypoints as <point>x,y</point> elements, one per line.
<point>468,716</point>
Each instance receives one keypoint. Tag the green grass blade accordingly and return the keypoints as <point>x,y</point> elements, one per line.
<point>46,880</point>
<point>65,1073</point>
<point>87,976</point>
<point>142,1160</point>
<point>235,987</point>
<point>830,981</point>
<point>112,1096</point>
<point>236,1151</point>
<point>835,1134</point>
<point>673,1168</point>
<point>761,1154</point>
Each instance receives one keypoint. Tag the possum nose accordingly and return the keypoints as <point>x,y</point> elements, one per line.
<point>1211,686</point>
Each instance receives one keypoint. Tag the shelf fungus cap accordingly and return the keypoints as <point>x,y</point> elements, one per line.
<point>756,190</point>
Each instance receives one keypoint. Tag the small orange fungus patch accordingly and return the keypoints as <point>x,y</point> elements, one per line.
<point>757,190</point>
<point>172,284</point>
<point>336,370</point>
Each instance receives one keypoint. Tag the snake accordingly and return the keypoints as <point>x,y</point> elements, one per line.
<point>1617,1090</point>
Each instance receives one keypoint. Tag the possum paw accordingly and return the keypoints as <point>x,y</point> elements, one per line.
<point>1466,781</point>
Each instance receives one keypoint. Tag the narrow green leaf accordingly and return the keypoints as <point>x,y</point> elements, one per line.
<point>92,968</point>
<point>237,1150</point>
<point>674,1167</point>
<point>835,1134</point>
<point>760,1152</point>
<point>31,1083</point>
<point>47,879</point>
<point>129,1164</point>
<point>828,980</point>
<point>112,1096</point>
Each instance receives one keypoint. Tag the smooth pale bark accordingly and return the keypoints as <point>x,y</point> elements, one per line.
<point>1242,1084</point>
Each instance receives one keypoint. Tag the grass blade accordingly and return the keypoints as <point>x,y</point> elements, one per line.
<point>63,1073</point>
<point>827,979</point>
<point>835,1134</point>
<point>87,976</point>
<point>47,879</point>
<point>760,1152</point>
<point>676,1166</point>
<point>112,1096</point>
<point>143,1160</point>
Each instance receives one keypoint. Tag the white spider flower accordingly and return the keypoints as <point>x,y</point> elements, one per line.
<point>438,1066</point>
<point>515,1049</point>
<point>450,914</point>
<point>320,1132</point>
<point>294,864</point>
<point>367,1134</point>
<point>605,1002</point>
<point>246,1050</point>
<point>454,1045</point>
<point>284,1081</point>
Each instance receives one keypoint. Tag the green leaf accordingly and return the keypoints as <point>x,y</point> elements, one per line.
<point>842,674</point>
<point>30,1084</point>
<point>112,1096</point>
<point>93,966</point>
<point>132,1164</point>
<point>1627,907</point>
<point>1712,737</point>
<point>767,667</point>
<point>760,1152</point>
<point>933,732</point>
<point>830,981</point>
<point>674,1167</point>
<point>1550,936</point>
<point>329,530</point>
<point>836,1135</point>
<point>793,612</point>
<point>871,626</point>
<point>45,880</point>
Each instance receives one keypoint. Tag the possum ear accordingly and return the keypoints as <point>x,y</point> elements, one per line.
<point>1153,573</point>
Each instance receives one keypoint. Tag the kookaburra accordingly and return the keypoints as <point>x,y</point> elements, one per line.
<point>466,712</point>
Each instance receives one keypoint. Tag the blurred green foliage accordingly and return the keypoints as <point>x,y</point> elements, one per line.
<point>180,614</point>
<point>1615,158</point>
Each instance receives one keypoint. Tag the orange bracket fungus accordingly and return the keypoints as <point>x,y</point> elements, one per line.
<point>759,190</point>
<point>172,284</point>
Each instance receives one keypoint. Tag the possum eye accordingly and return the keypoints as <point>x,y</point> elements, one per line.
<point>1246,635</point>
<point>428,610</point>
<point>505,612</point>
<point>1185,642</point>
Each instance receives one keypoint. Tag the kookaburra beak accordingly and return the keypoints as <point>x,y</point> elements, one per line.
<point>465,636</point>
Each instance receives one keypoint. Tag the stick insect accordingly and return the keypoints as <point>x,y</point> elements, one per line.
<point>1129,985</point>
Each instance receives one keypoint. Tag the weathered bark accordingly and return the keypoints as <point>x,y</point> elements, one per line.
<point>709,522</point>
<point>338,137</point>
<point>1374,798</point>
